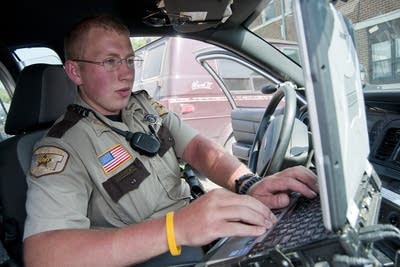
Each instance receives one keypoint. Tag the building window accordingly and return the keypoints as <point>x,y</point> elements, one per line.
<point>269,12</point>
<point>397,60</point>
<point>384,41</point>
<point>381,60</point>
<point>288,6</point>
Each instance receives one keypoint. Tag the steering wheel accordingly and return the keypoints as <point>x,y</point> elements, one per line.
<point>267,152</point>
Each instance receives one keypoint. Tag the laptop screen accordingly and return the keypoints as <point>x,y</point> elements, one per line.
<point>336,107</point>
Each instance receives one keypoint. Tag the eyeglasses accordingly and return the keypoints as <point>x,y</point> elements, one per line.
<point>113,63</point>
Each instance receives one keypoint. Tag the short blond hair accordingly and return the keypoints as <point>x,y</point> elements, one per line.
<point>74,41</point>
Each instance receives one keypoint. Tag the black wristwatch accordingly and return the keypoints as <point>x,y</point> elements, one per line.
<point>244,188</point>
<point>239,181</point>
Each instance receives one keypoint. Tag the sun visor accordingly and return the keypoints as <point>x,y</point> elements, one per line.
<point>190,16</point>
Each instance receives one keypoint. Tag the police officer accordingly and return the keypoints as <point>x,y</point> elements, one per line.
<point>104,183</point>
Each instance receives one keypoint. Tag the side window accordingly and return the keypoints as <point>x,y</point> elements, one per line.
<point>200,83</point>
<point>243,83</point>
<point>5,101</point>
<point>236,77</point>
<point>34,55</point>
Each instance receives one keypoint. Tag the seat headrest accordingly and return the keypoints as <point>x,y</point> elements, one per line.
<point>41,95</point>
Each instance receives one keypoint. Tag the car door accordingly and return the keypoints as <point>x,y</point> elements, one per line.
<point>241,83</point>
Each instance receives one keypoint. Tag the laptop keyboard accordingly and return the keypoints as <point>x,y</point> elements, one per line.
<point>299,226</point>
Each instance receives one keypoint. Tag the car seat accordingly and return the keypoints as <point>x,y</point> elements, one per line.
<point>41,95</point>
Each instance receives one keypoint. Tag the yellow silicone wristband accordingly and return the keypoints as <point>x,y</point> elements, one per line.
<point>169,225</point>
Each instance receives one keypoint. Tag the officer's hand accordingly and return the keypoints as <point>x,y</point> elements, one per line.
<point>221,213</point>
<point>274,190</point>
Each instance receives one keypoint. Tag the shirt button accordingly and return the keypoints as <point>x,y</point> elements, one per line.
<point>133,181</point>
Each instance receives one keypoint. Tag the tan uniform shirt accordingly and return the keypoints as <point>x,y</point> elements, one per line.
<point>92,178</point>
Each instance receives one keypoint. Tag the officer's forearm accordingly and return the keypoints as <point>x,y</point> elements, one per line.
<point>211,159</point>
<point>117,247</point>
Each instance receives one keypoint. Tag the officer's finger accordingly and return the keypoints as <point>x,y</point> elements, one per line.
<point>275,201</point>
<point>225,198</point>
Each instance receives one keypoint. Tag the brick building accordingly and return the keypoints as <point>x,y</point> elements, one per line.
<point>377,31</point>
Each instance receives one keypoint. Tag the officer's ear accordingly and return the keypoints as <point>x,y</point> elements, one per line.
<point>72,69</point>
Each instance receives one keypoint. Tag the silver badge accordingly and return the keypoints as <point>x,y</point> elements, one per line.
<point>151,118</point>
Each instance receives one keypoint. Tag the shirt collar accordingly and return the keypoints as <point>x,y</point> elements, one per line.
<point>98,126</point>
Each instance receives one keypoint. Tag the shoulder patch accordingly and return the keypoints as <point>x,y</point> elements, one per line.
<point>48,160</point>
<point>161,110</point>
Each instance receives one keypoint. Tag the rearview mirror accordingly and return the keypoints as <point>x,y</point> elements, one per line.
<point>269,89</point>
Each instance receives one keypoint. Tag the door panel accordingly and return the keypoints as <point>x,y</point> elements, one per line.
<point>245,122</point>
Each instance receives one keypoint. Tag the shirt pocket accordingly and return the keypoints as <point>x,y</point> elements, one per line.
<point>170,177</point>
<point>126,181</point>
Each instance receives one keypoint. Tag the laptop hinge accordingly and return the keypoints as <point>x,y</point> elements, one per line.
<point>368,199</point>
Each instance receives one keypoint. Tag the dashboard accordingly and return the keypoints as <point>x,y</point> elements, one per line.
<point>383,121</point>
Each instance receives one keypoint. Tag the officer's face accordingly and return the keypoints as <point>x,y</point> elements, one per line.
<point>107,91</point>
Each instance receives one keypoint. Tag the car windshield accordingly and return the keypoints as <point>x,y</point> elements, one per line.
<point>376,27</point>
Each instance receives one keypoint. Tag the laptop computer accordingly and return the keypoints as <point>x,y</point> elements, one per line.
<point>349,187</point>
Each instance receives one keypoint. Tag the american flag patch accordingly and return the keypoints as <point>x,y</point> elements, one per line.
<point>114,158</point>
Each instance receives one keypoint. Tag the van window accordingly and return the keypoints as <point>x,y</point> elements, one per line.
<point>153,61</point>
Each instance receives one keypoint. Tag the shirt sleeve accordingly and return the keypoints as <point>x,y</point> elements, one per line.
<point>58,190</point>
<point>181,132</point>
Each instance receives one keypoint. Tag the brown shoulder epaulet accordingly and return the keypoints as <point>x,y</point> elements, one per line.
<point>60,128</point>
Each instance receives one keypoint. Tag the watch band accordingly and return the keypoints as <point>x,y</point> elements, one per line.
<point>239,181</point>
<point>244,188</point>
